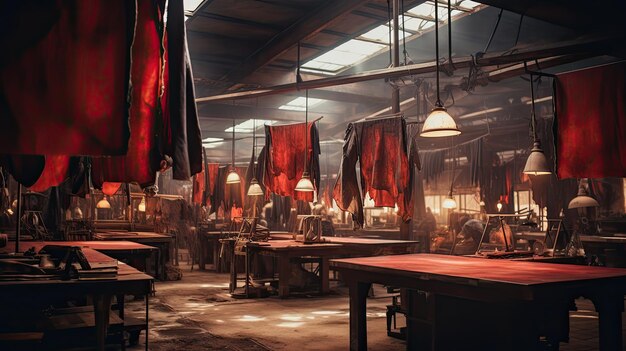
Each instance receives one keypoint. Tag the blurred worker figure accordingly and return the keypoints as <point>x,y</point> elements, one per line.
<point>426,227</point>
<point>468,239</point>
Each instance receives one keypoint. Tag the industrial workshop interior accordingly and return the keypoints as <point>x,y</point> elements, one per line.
<point>312,175</point>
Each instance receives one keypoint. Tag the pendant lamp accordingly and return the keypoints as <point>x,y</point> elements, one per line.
<point>583,199</point>
<point>449,202</point>
<point>104,203</point>
<point>305,184</point>
<point>255,188</point>
<point>233,176</point>
<point>537,163</point>
<point>142,205</point>
<point>438,123</point>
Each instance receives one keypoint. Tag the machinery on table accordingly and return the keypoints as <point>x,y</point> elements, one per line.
<point>309,229</point>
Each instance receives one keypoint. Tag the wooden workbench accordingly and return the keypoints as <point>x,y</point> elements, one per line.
<point>490,304</point>
<point>129,281</point>
<point>166,245</point>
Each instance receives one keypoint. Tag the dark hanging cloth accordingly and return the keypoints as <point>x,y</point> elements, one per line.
<point>381,149</point>
<point>55,172</point>
<point>212,169</point>
<point>284,163</point>
<point>199,188</point>
<point>219,187</point>
<point>181,113</point>
<point>473,150</point>
<point>591,115</point>
<point>432,164</point>
<point>419,201</point>
<point>64,77</point>
<point>25,169</point>
<point>142,159</point>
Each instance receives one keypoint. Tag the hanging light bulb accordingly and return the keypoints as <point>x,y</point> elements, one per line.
<point>439,123</point>
<point>583,199</point>
<point>499,206</point>
<point>104,203</point>
<point>142,205</point>
<point>537,163</point>
<point>449,202</point>
<point>233,176</point>
<point>305,184</point>
<point>254,189</point>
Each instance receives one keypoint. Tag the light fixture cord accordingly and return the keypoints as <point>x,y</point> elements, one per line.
<point>438,103</point>
<point>533,121</point>
<point>233,148</point>
<point>450,33</point>
<point>254,141</point>
<point>306,127</point>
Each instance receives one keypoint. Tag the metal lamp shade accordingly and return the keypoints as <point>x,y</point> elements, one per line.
<point>439,124</point>
<point>233,178</point>
<point>449,203</point>
<point>305,184</point>
<point>104,203</point>
<point>255,188</point>
<point>537,163</point>
<point>583,199</point>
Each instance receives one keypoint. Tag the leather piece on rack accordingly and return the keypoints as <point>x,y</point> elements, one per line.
<point>380,147</point>
<point>284,161</point>
<point>72,59</point>
<point>110,188</point>
<point>55,172</point>
<point>142,159</point>
<point>591,116</point>
<point>26,169</point>
<point>199,188</point>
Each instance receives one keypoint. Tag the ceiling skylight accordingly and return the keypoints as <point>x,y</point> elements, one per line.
<point>416,20</point>
<point>248,126</point>
<point>345,55</point>
<point>299,104</point>
<point>191,5</point>
<point>210,143</point>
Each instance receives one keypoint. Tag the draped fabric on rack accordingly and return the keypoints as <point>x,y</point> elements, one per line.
<point>182,115</point>
<point>419,208</point>
<point>110,188</point>
<point>199,188</point>
<point>142,159</point>
<point>212,169</point>
<point>284,162</point>
<point>218,197</point>
<point>381,149</point>
<point>433,164</point>
<point>109,105</point>
<point>591,115</point>
<point>64,77</point>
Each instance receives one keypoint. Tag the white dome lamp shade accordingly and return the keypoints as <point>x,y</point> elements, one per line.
<point>104,203</point>
<point>449,202</point>
<point>254,189</point>
<point>439,123</point>
<point>583,199</point>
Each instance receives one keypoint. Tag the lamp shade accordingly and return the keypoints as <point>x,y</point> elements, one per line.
<point>537,163</point>
<point>449,203</point>
<point>104,203</point>
<point>255,188</point>
<point>142,205</point>
<point>499,206</point>
<point>305,184</point>
<point>439,124</point>
<point>583,199</point>
<point>233,177</point>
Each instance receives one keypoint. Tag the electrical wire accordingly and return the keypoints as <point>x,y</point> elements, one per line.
<point>493,33</point>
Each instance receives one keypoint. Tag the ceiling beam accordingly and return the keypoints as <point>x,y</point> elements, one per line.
<point>239,21</point>
<point>597,45</point>
<point>244,112</point>
<point>312,23</point>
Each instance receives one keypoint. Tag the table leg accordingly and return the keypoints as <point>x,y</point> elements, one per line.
<point>202,252</point>
<point>102,308</point>
<point>324,276</point>
<point>147,320</point>
<point>610,310</point>
<point>233,269</point>
<point>358,318</point>
<point>284,275</point>
<point>216,256</point>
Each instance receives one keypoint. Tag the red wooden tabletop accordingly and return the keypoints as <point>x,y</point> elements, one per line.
<point>506,271</point>
<point>348,240</point>
<point>96,245</point>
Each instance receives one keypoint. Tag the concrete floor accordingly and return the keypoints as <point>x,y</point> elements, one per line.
<point>197,313</point>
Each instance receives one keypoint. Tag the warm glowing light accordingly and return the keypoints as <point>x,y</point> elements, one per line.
<point>142,205</point>
<point>255,189</point>
<point>439,124</point>
<point>449,203</point>
<point>499,206</point>
<point>104,203</point>
<point>233,178</point>
<point>305,184</point>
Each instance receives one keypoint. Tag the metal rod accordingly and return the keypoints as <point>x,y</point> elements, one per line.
<point>450,33</point>
<point>533,121</point>
<point>395,49</point>
<point>438,103</point>
<point>306,129</point>
<point>233,145</point>
<point>18,224</point>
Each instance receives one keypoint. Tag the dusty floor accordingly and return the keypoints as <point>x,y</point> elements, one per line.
<point>197,313</point>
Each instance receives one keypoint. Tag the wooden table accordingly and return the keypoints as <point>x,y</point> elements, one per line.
<point>166,244</point>
<point>210,248</point>
<point>135,254</point>
<point>285,250</point>
<point>129,281</point>
<point>355,247</point>
<point>490,304</point>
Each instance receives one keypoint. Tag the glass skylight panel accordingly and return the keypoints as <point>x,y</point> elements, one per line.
<point>299,104</point>
<point>344,55</point>
<point>210,143</point>
<point>381,33</point>
<point>248,126</point>
<point>469,4</point>
<point>191,5</point>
